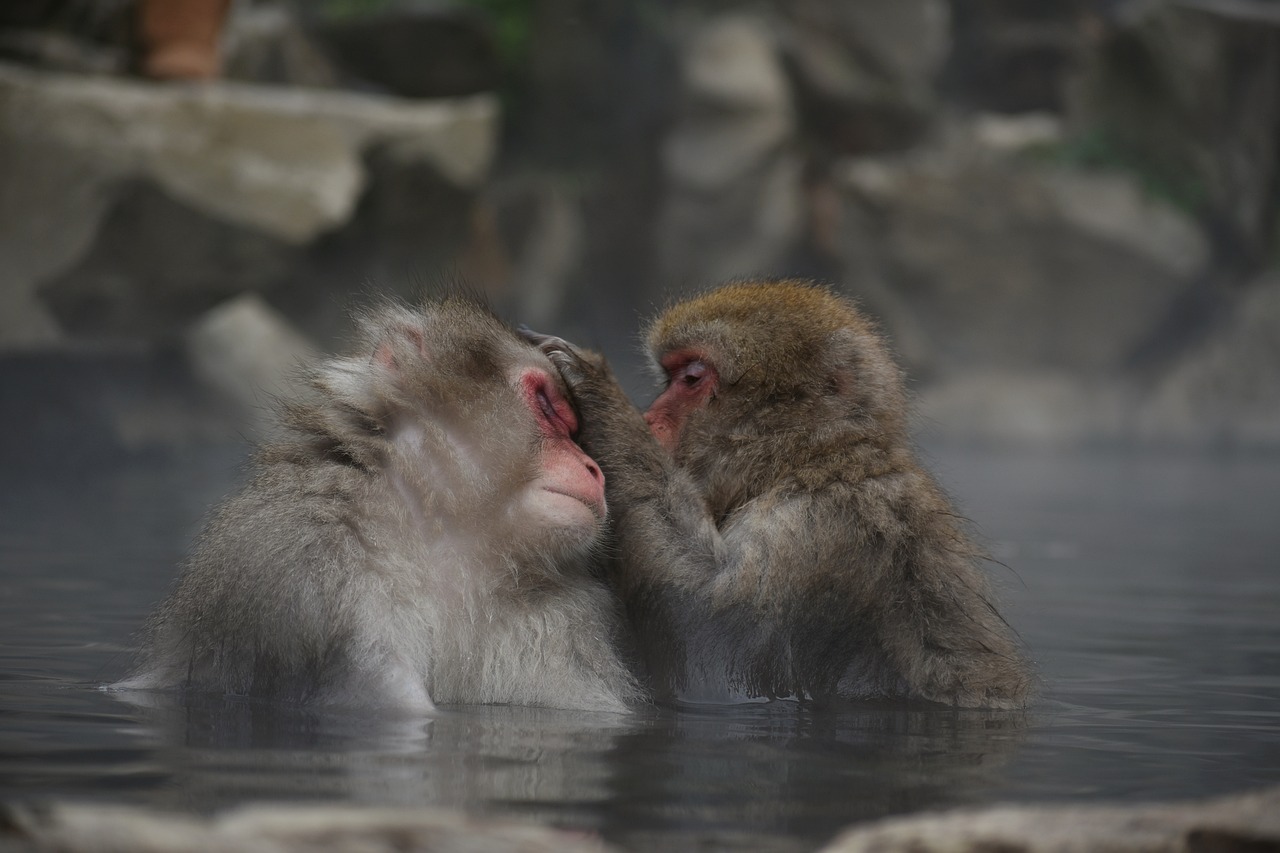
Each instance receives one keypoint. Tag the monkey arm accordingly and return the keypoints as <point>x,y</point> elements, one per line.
<point>857,586</point>
<point>660,518</point>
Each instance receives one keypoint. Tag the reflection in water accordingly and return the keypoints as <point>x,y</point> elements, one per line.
<point>660,775</point>
<point>779,773</point>
<point>1145,589</point>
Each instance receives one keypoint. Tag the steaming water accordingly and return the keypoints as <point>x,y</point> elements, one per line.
<point>1147,588</point>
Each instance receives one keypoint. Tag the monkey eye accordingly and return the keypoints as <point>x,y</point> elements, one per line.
<point>548,410</point>
<point>690,375</point>
<point>554,409</point>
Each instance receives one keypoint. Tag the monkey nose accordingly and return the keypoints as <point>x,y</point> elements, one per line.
<point>594,470</point>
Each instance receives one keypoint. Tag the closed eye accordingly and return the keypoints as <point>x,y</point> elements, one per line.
<point>544,403</point>
<point>690,374</point>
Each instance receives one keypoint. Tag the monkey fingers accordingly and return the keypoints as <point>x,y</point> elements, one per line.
<point>538,339</point>
<point>575,365</point>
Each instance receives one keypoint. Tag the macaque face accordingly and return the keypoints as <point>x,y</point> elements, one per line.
<point>569,490</point>
<point>692,382</point>
<point>485,420</point>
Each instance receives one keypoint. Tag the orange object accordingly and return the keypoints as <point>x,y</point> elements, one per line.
<point>180,38</point>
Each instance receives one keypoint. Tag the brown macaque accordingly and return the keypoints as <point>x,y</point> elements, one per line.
<point>426,535</point>
<point>776,536</point>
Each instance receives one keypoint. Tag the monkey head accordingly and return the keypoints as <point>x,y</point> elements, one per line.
<point>475,419</point>
<point>754,360</point>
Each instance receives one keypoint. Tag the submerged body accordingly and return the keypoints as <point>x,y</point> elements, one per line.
<point>776,536</point>
<point>426,536</point>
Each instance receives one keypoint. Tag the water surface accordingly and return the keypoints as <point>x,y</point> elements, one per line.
<point>1146,587</point>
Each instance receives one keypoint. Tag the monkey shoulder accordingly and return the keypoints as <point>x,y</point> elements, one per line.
<point>292,532</point>
<point>254,608</point>
<point>860,526</point>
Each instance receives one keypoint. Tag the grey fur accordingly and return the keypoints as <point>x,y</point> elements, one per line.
<point>389,554</point>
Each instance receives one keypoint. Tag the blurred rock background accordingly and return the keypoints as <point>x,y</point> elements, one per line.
<point>1064,215</point>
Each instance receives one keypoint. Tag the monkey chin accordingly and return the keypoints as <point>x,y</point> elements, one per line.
<point>562,520</point>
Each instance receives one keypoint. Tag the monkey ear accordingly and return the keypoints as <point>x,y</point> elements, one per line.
<point>843,357</point>
<point>403,339</point>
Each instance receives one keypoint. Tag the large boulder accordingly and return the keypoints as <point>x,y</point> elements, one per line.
<point>1189,92</point>
<point>1225,390</point>
<point>733,201</point>
<point>864,73</point>
<point>1243,822</point>
<point>1022,294</point>
<point>279,829</point>
<point>1018,57</point>
<point>127,209</point>
<point>980,257</point>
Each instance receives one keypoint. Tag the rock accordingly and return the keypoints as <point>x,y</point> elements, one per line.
<point>733,203</point>
<point>250,354</point>
<point>156,264</point>
<point>730,65</point>
<point>1115,208</point>
<point>1005,262</point>
<point>267,44</point>
<point>284,161</point>
<point>1009,407</point>
<point>1237,823</point>
<point>277,829</point>
<point>133,207</point>
<point>90,38</point>
<point>540,226</point>
<point>1224,391</point>
<point>1017,57</point>
<point>1013,134</point>
<point>414,51</point>
<point>864,72</point>
<point>1189,92</point>
<point>81,408</point>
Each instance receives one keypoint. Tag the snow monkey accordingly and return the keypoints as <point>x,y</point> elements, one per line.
<point>776,536</point>
<point>424,536</point>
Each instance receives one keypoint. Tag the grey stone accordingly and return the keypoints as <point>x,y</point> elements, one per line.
<point>414,50</point>
<point>278,829</point>
<point>250,354</point>
<point>1248,821</point>
<point>904,41</point>
<point>1043,408</point>
<point>1226,389</point>
<point>545,247</point>
<point>1014,133</point>
<point>251,176</point>
<point>744,230</point>
<point>1190,91</point>
<point>283,160</point>
<point>1005,262</point>
<point>267,44</point>
<point>710,152</point>
<point>864,72</point>
<point>733,202</point>
<point>730,64</point>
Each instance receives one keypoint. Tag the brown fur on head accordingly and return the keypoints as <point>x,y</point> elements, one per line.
<point>788,355</point>
<point>776,535</point>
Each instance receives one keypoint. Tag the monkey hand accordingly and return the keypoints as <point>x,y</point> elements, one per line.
<point>608,421</point>
<point>577,366</point>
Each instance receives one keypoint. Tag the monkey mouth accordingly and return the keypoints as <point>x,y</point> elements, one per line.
<point>597,509</point>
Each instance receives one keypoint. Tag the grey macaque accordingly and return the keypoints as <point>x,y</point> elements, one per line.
<point>425,536</point>
<point>776,536</point>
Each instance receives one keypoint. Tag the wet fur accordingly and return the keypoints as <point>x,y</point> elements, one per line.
<point>375,558</point>
<point>793,546</point>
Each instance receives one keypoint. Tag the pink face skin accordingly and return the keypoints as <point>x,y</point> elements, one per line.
<point>566,470</point>
<point>692,380</point>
